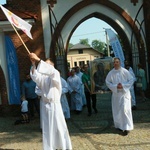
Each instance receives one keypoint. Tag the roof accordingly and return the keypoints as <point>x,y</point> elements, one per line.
<point>82,46</point>
<point>21,14</point>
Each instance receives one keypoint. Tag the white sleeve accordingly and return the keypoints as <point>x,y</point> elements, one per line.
<point>49,70</point>
<point>64,86</point>
<point>110,84</point>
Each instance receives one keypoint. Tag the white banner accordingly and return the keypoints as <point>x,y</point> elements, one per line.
<point>17,22</point>
<point>116,46</point>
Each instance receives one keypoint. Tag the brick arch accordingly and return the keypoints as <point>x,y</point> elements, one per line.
<point>107,19</point>
<point>110,21</point>
<point>3,89</point>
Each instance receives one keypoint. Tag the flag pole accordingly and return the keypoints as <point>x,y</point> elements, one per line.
<point>21,39</point>
<point>108,50</point>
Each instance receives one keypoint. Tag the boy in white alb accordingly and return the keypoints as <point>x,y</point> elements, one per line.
<point>54,128</point>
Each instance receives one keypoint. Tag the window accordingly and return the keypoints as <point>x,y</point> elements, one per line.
<point>96,56</point>
<point>80,51</point>
<point>75,64</point>
<point>81,63</point>
<point>68,63</point>
<point>87,62</point>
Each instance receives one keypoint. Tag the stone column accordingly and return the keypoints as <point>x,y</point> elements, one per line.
<point>61,64</point>
<point>4,83</point>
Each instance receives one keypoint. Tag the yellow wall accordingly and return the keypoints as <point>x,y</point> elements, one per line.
<point>88,55</point>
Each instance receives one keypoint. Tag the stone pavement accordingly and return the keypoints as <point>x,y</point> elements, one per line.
<point>87,133</point>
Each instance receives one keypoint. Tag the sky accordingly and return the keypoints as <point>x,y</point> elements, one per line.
<point>2,2</point>
<point>92,29</point>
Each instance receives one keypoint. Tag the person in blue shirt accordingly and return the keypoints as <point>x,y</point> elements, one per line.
<point>28,91</point>
<point>90,96</point>
<point>141,77</point>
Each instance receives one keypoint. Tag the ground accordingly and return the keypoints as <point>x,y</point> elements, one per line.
<point>87,133</point>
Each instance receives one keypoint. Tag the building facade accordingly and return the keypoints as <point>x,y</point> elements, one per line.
<point>54,23</point>
<point>80,54</point>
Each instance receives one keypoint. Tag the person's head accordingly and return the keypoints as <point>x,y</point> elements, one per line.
<point>100,67</point>
<point>116,63</point>
<point>126,62</point>
<point>139,65</point>
<point>85,67</point>
<point>77,69</point>
<point>72,72</point>
<point>22,98</point>
<point>49,61</point>
<point>127,66</point>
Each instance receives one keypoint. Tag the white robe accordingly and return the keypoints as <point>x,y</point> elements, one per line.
<point>64,101</point>
<point>54,128</point>
<point>121,99</point>
<point>74,84</point>
<point>79,74</point>
<point>133,100</point>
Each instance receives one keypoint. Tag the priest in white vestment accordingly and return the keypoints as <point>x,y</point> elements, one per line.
<point>119,81</point>
<point>74,84</point>
<point>133,99</point>
<point>64,101</point>
<point>79,74</point>
<point>54,128</point>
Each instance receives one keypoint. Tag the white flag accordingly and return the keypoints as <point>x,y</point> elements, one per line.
<point>18,22</point>
<point>116,46</point>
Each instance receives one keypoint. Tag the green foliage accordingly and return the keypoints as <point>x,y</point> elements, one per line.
<point>98,45</point>
<point>70,45</point>
<point>84,42</point>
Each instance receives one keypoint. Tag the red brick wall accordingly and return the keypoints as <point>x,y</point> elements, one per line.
<point>33,9</point>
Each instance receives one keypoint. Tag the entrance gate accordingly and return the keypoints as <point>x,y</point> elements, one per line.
<point>62,18</point>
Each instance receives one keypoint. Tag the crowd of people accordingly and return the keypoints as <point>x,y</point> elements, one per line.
<point>79,83</point>
<point>47,91</point>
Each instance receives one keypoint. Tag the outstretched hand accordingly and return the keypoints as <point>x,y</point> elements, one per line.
<point>34,58</point>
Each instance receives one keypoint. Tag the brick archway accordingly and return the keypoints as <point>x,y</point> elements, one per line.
<point>110,21</point>
<point>101,16</point>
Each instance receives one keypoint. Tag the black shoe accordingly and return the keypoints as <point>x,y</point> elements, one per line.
<point>95,110</point>
<point>125,133</point>
<point>119,129</point>
<point>134,108</point>
<point>78,112</point>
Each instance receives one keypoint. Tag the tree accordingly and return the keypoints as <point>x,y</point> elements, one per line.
<point>70,45</point>
<point>84,42</point>
<point>110,51</point>
<point>98,45</point>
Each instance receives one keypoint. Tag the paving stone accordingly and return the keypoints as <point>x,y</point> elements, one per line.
<point>96,132</point>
